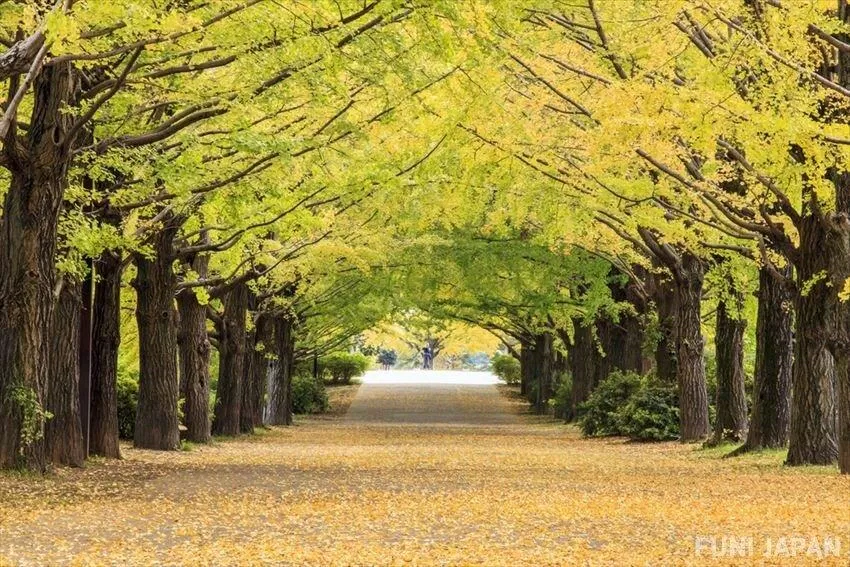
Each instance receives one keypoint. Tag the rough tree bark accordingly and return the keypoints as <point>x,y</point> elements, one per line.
<point>812,438</point>
<point>31,207</point>
<point>526,367</point>
<point>690,364</point>
<point>246,410</point>
<point>838,252</point>
<point>840,345</point>
<point>157,424</point>
<point>842,369</point>
<point>665,299</point>
<point>261,365</point>
<point>582,356</point>
<point>106,337</point>
<point>623,340</point>
<point>634,327</point>
<point>194,345</point>
<point>731,421</point>
<point>770,417</point>
<point>232,337</point>
<point>63,432</point>
<point>544,362</point>
<point>280,374</point>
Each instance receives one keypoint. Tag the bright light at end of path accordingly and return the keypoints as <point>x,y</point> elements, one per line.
<point>429,377</point>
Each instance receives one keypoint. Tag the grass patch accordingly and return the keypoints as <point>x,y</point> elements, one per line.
<point>761,459</point>
<point>22,474</point>
<point>716,451</point>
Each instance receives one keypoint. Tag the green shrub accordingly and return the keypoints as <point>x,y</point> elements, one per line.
<point>599,415</point>
<point>341,367</point>
<point>562,399</point>
<point>651,414</point>
<point>506,368</point>
<point>633,406</point>
<point>128,401</point>
<point>308,395</point>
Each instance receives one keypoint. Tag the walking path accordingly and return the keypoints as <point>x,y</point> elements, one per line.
<point>440,472</point>
<point>430,397</point>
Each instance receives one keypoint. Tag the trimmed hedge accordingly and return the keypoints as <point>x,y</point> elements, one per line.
<point>341,367</point>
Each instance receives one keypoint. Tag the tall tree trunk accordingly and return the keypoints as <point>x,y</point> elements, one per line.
<point>544,361</point>
<point>839,253</point>
<point>231,367</point>
<point>690,364</point>
<point>629,346</point>
<point>261,365</point>
<point>666,358</point>
<point>194,346</point>
<point>731,421</point>
<point>582,358</point>
<point>812,437</point>
<point>106,337</point>
<point>526,368</point>
<point>842,370</point>
<point>31,208</point>
<point>623,339</point>
<point>561,371</point>
<point>246,411</point>
<point>840,346</point>
<point>157,424</point>
<point>774,358</point>
<point>634,358</point>
<point>280,374</point>
<point>63,433</point>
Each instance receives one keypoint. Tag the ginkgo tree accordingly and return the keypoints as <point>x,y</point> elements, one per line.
<point>138,112</point>
<point>707,127</point>
<point>272,178</point>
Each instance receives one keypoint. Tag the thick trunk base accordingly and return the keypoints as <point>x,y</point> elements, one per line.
<point>770,420</point>
<point>63,432</point>
<point>731,421</point>
<point>106,338</point>
<point>228,401</point>
<point>157,424</point>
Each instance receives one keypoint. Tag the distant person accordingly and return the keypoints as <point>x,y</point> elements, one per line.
<point>387,358</point>
<point>427,358</point>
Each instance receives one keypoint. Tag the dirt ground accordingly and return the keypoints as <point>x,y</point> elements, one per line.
<point>424,475</point>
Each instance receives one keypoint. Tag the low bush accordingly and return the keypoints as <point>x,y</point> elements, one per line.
<point>506,368</point>
<point>633,406</point>
<point>308,395</point>
<point>341,367</point>
<point>599,415</point>
<point>651,414</point>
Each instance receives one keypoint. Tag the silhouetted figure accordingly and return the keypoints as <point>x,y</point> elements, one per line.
<point>427,358</point>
